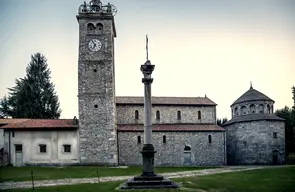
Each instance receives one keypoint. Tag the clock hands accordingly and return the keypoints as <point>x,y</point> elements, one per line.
<point>94,45</point>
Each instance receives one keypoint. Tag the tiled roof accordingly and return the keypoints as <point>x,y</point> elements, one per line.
<point>39,123</point>
<point>253,117</point>
<point>166,100</point>
<point>172,128</point>
<point>9,121</point>
<point>252,95</point>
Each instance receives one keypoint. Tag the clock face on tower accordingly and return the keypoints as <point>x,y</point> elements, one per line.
<point>94,45</point>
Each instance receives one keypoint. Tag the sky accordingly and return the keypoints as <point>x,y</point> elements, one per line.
<point>199,47</point>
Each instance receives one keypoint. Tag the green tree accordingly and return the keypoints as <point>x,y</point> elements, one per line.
<point>4,107</point>
<point>289,115</point>
<point>221,121</point>
<point>33,96</point>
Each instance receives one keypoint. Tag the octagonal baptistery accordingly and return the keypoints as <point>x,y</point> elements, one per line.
<point>254,134</point>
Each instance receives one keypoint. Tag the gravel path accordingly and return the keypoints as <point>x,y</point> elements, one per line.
<point>70,181</point>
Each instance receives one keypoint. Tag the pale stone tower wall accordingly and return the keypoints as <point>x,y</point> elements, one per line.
<point>96,90</point>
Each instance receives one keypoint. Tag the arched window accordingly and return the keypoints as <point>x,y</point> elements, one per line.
<point>136,115</point>
<point>138,139</point>
<point>199,114</point>
<point>164,139</point>
<point>267,108</point>
<point>99,28</point>
<point>178,115</point>
<point>90,28</point>
<point>236,111</point>
<point>209,138</point>
<point>260,108</point>
<point>252,108</point>
<point>158,115</point>
<point>187,148</point>
<point>243,110</point>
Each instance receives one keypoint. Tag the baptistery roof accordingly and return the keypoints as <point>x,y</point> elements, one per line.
<point>252,95</point>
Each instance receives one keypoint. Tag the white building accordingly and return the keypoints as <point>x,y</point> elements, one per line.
<point>40,141</point>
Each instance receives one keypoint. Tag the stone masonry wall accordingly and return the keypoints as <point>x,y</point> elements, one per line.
<point>96,94</point>
<point>168,114</point>
<point>253,142</point>
<point>172,152</point>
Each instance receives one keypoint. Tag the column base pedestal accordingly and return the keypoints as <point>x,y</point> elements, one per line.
<point>148,179</point>
<point>148,182</point>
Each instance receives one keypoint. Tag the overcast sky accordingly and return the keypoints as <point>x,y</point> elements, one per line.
<point>212,47</point>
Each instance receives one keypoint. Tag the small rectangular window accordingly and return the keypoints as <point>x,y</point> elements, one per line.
<point>210,139</point>
<point>18,148</point>
<point>178,115</point>
<point>158,115</point>
<point>136,115</point>
<point>275,135</point>
<point>42,148</point>
<point>67,148</point>
<point>138,139</point>
<point>13,134</point>
<point>199,114</point>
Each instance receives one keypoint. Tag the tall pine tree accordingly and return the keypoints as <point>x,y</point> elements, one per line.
<point>33,96</point>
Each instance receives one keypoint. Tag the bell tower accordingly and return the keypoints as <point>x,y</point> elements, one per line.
<point>96,84</point>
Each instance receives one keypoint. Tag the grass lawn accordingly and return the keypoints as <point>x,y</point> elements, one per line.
<point>265,180</point>
<point>40,173</point>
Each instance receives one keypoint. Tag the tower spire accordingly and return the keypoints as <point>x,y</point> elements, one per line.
<point>251,85</point>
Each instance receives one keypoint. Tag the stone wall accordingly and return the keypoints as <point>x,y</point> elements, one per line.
<point>168,114</point>
<point>254,142</point>
<point>96,92</point>
<point>172,152</point>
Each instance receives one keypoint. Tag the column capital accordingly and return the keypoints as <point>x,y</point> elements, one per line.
<point>147,69</point>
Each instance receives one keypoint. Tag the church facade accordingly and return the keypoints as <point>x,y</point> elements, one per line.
<point>110,128</point>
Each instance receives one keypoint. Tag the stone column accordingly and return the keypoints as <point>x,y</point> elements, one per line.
<point>148,179</point>
<point>147,111</point>
<point>148,151</point>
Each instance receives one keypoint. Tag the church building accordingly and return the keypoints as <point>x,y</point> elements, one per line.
<point>110,128</point>
<point>254,134</point>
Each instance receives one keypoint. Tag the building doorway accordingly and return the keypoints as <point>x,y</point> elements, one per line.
<point>18,155</point>
<point>275,157</point>
<point>187,158</point>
